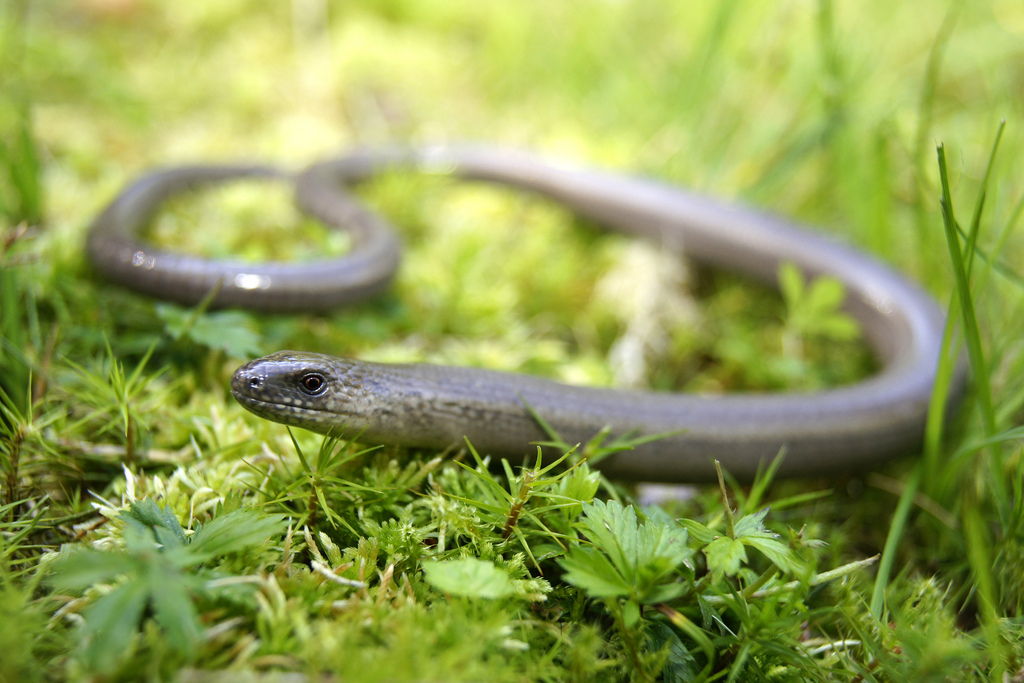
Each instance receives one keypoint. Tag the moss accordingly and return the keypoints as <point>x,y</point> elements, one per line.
<point>826,114</point>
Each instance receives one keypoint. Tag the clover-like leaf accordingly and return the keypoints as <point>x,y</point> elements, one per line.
<point>469,577</point>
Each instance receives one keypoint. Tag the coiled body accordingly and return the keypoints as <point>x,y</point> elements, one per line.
<point>432,406</point>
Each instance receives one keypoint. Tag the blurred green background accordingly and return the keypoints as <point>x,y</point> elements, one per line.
<point>826,110</point>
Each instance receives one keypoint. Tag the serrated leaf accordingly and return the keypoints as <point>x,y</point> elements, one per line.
<point>613,528</point>
<point>592,571</point>
<point>469,577</point>
<point>628,558</point>
<point>751,525</point>
<point>680,665</point>
<point>780,554</point>
<point>80,569</point>
<point>148,514</point>
<point>703,534</point>
<point>110,623</point>
<point>234,531</point>
<point>580,484</point>
<point>664,592</point>
<point>174,611</point>
<point>725,555</point>
<point>660,550</point>
<point>151,565</point>
<point>167,538</point>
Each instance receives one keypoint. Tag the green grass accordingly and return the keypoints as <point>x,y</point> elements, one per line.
<point>149,526</point>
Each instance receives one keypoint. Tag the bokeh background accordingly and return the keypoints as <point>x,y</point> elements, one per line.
<point>829,110</point>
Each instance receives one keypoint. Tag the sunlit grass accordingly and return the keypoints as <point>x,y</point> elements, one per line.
<point>825,112</point>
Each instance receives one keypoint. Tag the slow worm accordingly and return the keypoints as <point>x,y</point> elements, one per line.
<point>429,406</point>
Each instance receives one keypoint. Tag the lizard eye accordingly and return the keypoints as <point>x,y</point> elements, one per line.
<point>313,384</point>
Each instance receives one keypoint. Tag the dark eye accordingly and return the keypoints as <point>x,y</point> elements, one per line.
<point>313,384</point>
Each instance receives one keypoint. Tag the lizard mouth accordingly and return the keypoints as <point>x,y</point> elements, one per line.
<point>285,412</point>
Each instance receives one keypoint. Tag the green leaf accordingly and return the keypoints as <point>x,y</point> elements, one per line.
<point>791,284</point>
<point>702,533</point>
<point>580,484</point>
<point>825,295</point>
<point>663,592</point>
<point>725,555</point>
<point>628,558</point>
<point>591,570</point>
<point>659,543</point>
<point>111,622</point>
<point>230,331</point>
<point>680,666</point>
<point>167,539</point>
<point>780,554</point>
<point>753,525</point>
<point>839,327</point>
<point>630,614</point>
<point>152,563</point>
<point>469,577</point>
<point>173,609</point>
<point>81,569</point>
<point>613,529</point>
<point>234,531</point>
<point>815,309</point>
<point>150,515</point>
